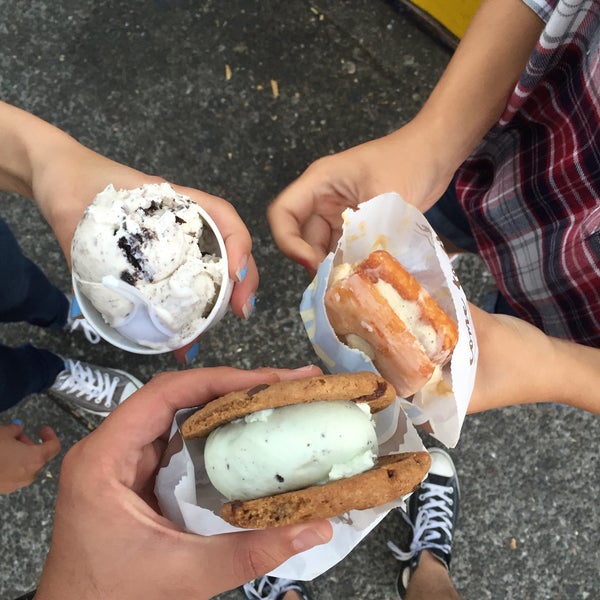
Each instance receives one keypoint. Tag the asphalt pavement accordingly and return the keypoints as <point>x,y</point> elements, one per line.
<point>236,98</point>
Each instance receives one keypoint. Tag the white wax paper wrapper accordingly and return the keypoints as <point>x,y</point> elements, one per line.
<point>388,222</point>
<point>187,498</point>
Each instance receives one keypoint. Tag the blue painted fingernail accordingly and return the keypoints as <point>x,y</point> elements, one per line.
<point>248,309</point>
<point>242,271</point>
<point>190,355</point>
<point>17,422</point>
<point>75,311</point>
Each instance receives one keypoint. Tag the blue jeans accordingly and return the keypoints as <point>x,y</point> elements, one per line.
<point>449,221</point>
<point>26,295</point>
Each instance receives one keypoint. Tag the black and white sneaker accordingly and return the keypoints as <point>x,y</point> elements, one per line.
<point>432,513</point>
<point>274,588</point>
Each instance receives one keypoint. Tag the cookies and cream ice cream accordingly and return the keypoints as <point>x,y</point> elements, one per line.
<point>289,448</point>
<point>157,241</point>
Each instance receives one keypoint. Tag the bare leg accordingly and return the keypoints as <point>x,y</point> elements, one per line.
<point>431,581</point>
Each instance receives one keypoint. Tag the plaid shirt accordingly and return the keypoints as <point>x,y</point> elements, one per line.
<point>531,190</point>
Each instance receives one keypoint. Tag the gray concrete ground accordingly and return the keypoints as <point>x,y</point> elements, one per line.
<point>144,83</point>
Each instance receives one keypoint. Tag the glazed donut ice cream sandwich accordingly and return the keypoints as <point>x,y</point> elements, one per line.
<point>300,450</point>
<point>378,307</point>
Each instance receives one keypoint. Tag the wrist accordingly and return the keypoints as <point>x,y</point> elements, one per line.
<point>577,379</point>
<point>423,162</point>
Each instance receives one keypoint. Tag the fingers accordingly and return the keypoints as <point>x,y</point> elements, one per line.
<point>12,430</point>
<point>34,456</point>
<point>46,449</point>
<point>286,216</point>
<point>244,290</point>
<point>238,242</point>
<point>318,233</point>
<point>25,439</point>
<point>16,430</point>
<point>237,558</point>
<point>186,354</point>
<point>287,374</point>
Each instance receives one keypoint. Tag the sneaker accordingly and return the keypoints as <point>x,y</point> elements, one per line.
<point>76,320</point>
<point>274,588</point>
<point>98,390</point>
<point>432,514</point>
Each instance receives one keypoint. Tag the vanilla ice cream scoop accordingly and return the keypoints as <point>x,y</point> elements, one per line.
<point>288,448</point>
<point>157,241</point>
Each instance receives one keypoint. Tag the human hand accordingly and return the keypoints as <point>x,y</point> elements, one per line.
<point>306,218</point>
<point>109,540</point>
<point>21,459</point>
<point>70,180</point>
<point>63,176</point>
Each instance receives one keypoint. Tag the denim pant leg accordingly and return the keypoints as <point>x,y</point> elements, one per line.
<point>449,221</point>
<point>26,370</point>
<point>26,294</point>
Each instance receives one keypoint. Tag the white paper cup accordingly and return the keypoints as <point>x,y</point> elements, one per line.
<point>218,311</point>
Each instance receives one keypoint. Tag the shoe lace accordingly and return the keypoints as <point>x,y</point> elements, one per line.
<point>83,324</point>
<point>94,385</point>
<point>434,521</point>
<point>269,588</point>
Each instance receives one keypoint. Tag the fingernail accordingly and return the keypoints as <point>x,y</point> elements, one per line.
<point>306,264</point>
<point>17,422</point>
<point>248,308</point>
<point>190,355</point>
<point>304,368</point>
<point>308,538</point>
<point>242,270</point>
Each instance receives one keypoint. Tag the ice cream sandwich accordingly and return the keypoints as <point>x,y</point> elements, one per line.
<point>377,306</point>
<point>300,450</point>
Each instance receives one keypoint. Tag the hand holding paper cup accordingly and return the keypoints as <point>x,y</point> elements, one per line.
<point>150,269</point>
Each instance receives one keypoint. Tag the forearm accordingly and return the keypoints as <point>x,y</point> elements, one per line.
<point>41,162</point>
<point>519,364</point>
<point>24,140</point>
<point>474,89</point>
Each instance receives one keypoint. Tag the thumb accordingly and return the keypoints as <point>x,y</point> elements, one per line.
<point>50,444</point>
<point>237,558</point>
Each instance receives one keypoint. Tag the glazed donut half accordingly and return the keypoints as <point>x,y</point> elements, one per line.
<point>377,306</point>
